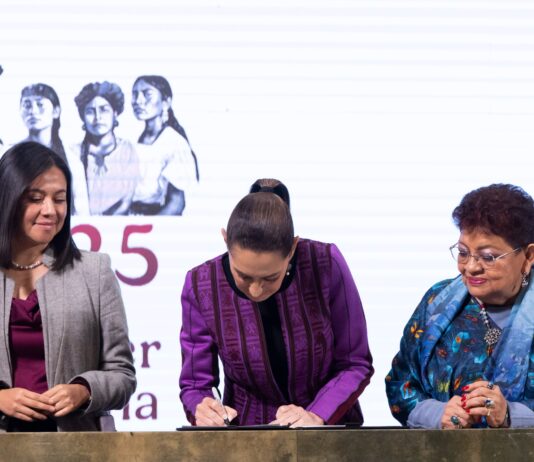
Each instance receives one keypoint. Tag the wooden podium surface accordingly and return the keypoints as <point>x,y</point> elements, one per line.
<point>272,445</point>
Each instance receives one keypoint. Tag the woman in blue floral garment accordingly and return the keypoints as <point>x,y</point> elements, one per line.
<point>466,357</point>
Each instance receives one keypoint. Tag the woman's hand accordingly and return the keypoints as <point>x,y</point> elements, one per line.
<point>296,416</point>
<point>210,413</point>
<point>485,399</point>
<point>24,404</point>
<point>67,398</point>
<point>454,409</point>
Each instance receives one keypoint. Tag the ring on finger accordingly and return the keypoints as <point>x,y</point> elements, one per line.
<point>490,385</point>
<point>489,403</point>
<point>455,420</point>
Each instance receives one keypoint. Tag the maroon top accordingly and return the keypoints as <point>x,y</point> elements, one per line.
<point>26,344</point>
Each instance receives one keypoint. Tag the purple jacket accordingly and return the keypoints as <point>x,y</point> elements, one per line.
<point>324,332</point>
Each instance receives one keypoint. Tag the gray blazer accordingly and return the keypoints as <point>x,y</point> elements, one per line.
<point>85,335</point>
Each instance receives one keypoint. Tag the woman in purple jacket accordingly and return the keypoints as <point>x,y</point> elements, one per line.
<point>283,315</point>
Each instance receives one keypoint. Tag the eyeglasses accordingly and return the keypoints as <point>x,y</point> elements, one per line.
<point>462,256</point>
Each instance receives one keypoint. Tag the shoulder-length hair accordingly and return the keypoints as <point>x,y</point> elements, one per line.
<point>19,167</point>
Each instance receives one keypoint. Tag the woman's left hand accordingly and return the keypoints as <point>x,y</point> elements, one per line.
<point>296,416</point>
<point>485,399</point>
<point>66,398</point>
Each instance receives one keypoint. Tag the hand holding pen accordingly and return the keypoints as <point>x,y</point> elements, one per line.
<point>217,395</point>
<point>210,412</point>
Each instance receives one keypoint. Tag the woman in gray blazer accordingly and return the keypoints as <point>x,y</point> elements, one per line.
<point>65,358</point>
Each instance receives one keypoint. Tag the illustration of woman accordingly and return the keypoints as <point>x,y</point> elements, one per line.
<point>40,111</point>
<point>168,165</point>
<point>110,164</point>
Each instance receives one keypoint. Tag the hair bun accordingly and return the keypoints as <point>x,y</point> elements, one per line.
<point>279,189</point>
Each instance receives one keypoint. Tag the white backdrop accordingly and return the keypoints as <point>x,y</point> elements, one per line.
<point>378,115</point>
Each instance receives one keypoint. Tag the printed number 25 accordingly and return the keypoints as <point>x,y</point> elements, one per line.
<point>151,260</point>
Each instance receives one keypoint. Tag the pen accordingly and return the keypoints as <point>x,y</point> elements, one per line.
<point>217,396</point>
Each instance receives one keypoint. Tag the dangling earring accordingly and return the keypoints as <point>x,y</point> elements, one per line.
<point>524,281</point>
<point>288,269</point>
<point>165,116</point>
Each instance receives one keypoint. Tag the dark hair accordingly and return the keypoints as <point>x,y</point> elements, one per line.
<point>271,185</point>
<point>162,85</point>
<point>111,92</point>
<point>46,91</point>
<point>501,209</point>
<point>19,167</point>
<point>261,221</point>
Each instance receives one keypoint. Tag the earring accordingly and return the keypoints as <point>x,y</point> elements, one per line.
<point>83,127</point>
<point>524,281</point>
<point>288,269</point>
<point>115,123</point>
<point>165,116</point>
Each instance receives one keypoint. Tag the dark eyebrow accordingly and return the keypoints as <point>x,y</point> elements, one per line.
<point>40,191</point>
<point>34,191</point>
<point>482,247</point>
<point>243,275</point>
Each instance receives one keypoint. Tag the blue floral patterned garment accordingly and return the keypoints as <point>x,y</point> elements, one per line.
<point>443,349</point>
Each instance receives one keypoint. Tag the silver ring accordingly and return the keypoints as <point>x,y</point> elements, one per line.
<point>491,385</point>
<point>489,404</point>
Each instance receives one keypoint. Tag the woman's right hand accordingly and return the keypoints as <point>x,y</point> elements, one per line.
<point>210,413</point>
<point>454,408</point>
<point>25,404</point>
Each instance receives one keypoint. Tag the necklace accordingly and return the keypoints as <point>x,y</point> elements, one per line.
<point>492,335</point>
<point>18,267</point>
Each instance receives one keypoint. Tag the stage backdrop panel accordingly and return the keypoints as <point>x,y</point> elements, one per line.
<point>378,115</point>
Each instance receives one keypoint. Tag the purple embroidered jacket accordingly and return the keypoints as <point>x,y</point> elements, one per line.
<point>324,333</point>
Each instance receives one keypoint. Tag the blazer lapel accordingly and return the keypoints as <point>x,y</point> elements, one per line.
<point>51,294</point>
<point>7,287</point>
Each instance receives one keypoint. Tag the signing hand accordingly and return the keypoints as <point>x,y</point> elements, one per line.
<point>481,400</point>
<point>296,416</point>
<point>454,409</point>
<point>67,398</point>
<point>209,413</point>
<point>25,404</point>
